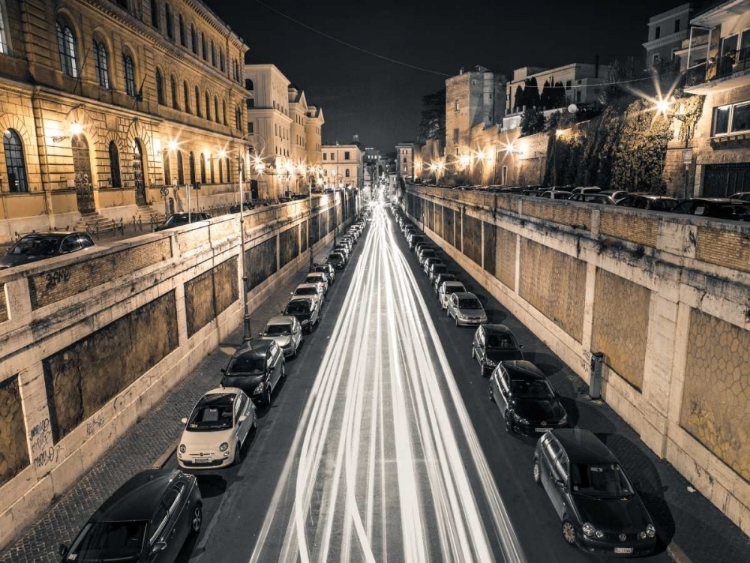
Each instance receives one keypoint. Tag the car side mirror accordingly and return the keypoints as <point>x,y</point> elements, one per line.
<point>560,484</point>
<point>158,547</point>
<point>223,370</point>
<point>62,550</point>
<point>520,346</point>
<point>183,420</point>
<point>242,418</point>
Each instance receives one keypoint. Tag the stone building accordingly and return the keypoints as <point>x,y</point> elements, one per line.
<point>343,166</point>
<point>719,153</point>
<point>405,159</point>
<point>285,131</point>
<point>110,108</point>
<point>666,32</point>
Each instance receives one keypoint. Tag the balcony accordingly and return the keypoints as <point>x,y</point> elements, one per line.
<point>718,74</point>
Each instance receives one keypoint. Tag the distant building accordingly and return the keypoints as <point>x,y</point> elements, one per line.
<point>666,32</point>
<point>405,159</point>
<point>343,166</point>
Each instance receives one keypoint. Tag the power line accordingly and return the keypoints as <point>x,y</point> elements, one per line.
<point>355,47</point>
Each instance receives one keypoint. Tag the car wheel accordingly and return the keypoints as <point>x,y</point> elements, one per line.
<point>537,473</point>
<point>508,422</point>
<point>568,532</point>
<point>197,520</point>
<point>267,396</point>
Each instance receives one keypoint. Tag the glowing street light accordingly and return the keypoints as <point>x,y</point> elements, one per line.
<point>662,106</point>
<point>464,160</point>
<point>75,128</point>
<point>172,145</point>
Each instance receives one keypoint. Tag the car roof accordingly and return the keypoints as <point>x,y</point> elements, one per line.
<point>453,283</point>
<point>307,286</point>
<point>316,274</point>
<point>497,329</point>
<point>281,320</point>
<point>465,295</point>
<point>523,369</point>
<point>257,347</point>
<point>582,446</point>
<point>222,397</point>
<point>138,498</point>
<point>298,298</point>
<point>56,234</point>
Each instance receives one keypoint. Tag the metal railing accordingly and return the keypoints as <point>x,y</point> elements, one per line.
<point>718,67</point>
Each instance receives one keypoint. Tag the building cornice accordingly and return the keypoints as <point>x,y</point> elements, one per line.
<point>666,40</point>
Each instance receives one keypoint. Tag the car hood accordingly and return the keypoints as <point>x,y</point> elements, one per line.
<point>280,340</point>
<point>10,260</point>
<point>206,440</point>
<point>242,381</point>
<point>538,409</point>
<point>472,312</point>
<point>619,515</point>
<point>504,355</point>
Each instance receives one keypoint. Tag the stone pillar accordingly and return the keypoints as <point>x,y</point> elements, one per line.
<point>588,307</point>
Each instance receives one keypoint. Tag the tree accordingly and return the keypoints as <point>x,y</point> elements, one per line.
<point>558,95</point>
<point>532,121</point>
<point>432,123</point>
<point>520,99</point>
<point>531,93</point>
<point>546,97</point>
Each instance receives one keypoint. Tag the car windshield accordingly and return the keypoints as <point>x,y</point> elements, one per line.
<point>469,303</point>
<point>335,257</point>
<point>36,246</point>
<point>306,291</point>
<point>279,330</point>
<point>535,389</point>
<point>297,308</point>
<point>214,414</point>
<point>606,480</point>
<point>436,268</point>
<point>501,342</point>
<point>453,289</point>
<point>109,541</point>
<point>247,364</point>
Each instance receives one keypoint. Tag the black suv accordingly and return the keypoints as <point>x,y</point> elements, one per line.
<point>256,369</point>
<point>38,246</point>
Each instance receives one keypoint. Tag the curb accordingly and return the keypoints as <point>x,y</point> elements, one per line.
<point>164,458</point>
<point>676,554</point>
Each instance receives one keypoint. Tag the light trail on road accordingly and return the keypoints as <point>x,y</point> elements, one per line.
<point>385,463</point>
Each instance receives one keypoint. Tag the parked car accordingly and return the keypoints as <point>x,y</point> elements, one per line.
<point>744,196</point>
<point>286,331</point>
<point>425,253</point>
<point>337,260</point>
<point>256,368</point>
<point>466,309</point>
<point>717,207</point>
<point>327,269</point>
<point>319,278</point>
<point>555,194</point>
<point>447,289</point>
<point>216,429</point>
<point>421,245</point>
<point>147,519</point>
<point>306,310</point>
<point>414,239</point>
<point>525,398</point>
<point>493,344</point>
<point>236,208</point>
<point>440,278</point>
<point>600,510</point>
<point>435,270</point>
<point>428,262</point>
<point>39,246</point>
<point>617,195</point>
<point>649,202</point>
<point>313,290</point>
<point>180,219</point>
<point>587,190</point>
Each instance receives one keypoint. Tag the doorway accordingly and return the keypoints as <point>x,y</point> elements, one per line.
<point>82,170</point>
<point>140,184</point>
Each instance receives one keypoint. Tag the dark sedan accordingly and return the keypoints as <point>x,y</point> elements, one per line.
<point>599,508</point>
<point>525,398</point>
<point>717,207</point>
<point>326,269</point>
<point>436,269</point>
<point>256,369</point>
<point>493,344</point>
<point>306,310</point>
<point>440,278</point>
<point>648,201</point>
<point>147,519</point>
<point>337,260</point>
<point>38,246</point>
<point>180,219</point>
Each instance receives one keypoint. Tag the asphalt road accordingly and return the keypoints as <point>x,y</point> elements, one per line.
<point>381,444</point>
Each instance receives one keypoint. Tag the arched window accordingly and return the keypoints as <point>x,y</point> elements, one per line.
<point>101,64</point>
<point>114,165</point>
<point>221,173</point>
<point>175,101</point>
<point>180,169</point>
<point>191,163</point>
<point>160,87</point>
<point>197,102</point>
<point>238,118</point>
<point>249,84</point>
<point>211,164</point>
<point>186,95</point>
<point>213,53</point>
<point>224,110</point>
<point>208,107</point>
<point>181,23</point>
<point>170,23</point>
<point>229,172</point>
<point>222,64</point>
<point>66,44</point>
<point>4,45</point>
<point>193,39</point>
<point>154,14</point>
<point>14,162</point>
<point>216,110</point>
<point>167,169</point>
<point>347,172</point>
<point>205,46</point>
<point>203,168</point>
<point>129,67</point>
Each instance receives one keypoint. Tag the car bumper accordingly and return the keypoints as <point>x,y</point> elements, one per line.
<point>288,351</point>
<point>470,322</point>
<point>535,428</point>
<point>635,548</point>
<point>217,463</point>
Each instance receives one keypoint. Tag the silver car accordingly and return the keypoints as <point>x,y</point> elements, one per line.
<point>318,277</point>
<point>448,288</point>
<point>286,331</point>
<point>428,262</point>
<point>466,309</point>
<point>310,290</point>
<point>426,253</point>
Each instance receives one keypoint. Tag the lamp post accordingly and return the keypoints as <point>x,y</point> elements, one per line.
<point>663,106</point>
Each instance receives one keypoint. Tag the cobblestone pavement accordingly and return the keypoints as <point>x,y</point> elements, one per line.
<point>141,446</point>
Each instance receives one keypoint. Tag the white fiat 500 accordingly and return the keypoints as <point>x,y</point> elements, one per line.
<point>217,428</point>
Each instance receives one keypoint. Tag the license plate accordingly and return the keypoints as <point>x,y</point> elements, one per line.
<point>623,550</point>
<point>201,460</point>
<point>542,429</point>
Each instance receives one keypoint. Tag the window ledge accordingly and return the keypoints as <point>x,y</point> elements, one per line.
<point>718,139</point>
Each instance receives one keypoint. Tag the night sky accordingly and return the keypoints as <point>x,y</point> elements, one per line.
<point>381,101</point>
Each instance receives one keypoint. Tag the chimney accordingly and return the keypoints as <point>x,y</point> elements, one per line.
<point>461,71</point>
<point>596,67</point>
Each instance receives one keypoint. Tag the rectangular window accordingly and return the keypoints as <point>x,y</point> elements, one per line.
<point>325,156</point>
<point>676,26</point>
<point>657,32</point>
<point>721,120</point>
<point>347,173</point>
<point>250,127</point>
<point>457,105</point>
<point>745,45</point>
<point>741,118</point>
<point>346,155</point>
<point>455,135</point>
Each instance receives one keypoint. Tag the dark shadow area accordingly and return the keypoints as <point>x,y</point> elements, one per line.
<point>187,548</point>
<point>211,485</point>
<point>495,316</point>
<point>571,407</point>
<point>591,418</point>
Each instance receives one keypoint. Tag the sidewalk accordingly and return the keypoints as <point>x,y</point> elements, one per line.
<point>147,443</point>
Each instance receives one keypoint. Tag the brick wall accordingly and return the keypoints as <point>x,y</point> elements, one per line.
<point>210,293</point>
<point>438,219</point>
<point>562,213</point>
<point>261,262</point>
<point>14,454</point>
<point>61,283</point>
<point>288,245</point>
<point>632,227</point>
<point>730,249</point>
<point>472,237</point>
<point>505,257</point>
<point>620,325</point>
<point>80,379</point>
<point>716,397</point>
<point>490,247</point>
<point>448,226</point>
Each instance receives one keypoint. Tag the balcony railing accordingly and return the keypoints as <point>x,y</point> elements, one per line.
<point>719,67</point>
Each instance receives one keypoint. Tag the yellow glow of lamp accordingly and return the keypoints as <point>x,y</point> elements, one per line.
<point>464,160</point>
<point>222,153</point>
<point>75,128</point>
<point>172,145</point>
<point>662,106</point>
